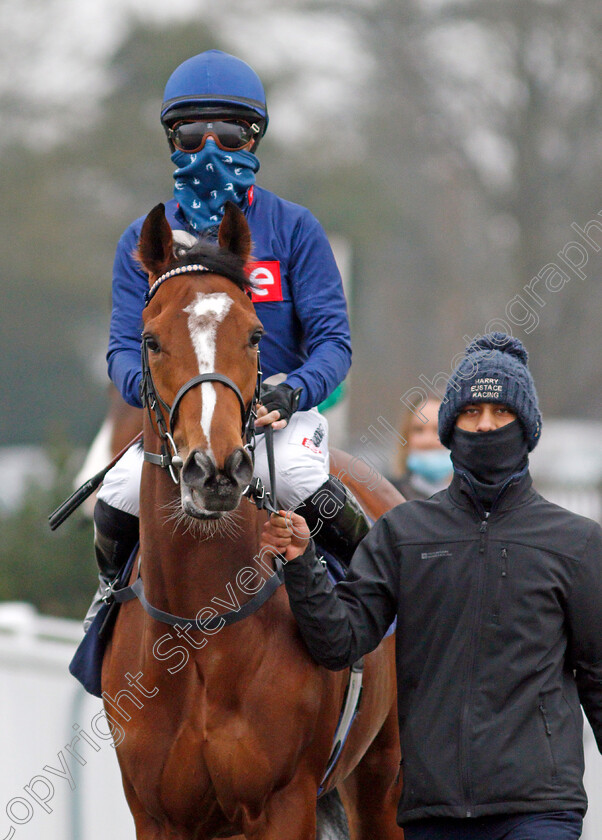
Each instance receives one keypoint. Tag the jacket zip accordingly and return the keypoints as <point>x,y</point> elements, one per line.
<point>465,735</point>
<point>546,723</point>
<point>483,534</point>
<point>476,502</point>
<point>497,604</point>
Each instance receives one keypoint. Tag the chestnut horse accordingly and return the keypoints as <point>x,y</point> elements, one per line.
<point>226,730</point>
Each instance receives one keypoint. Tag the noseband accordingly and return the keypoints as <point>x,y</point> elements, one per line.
<point>169,457</point>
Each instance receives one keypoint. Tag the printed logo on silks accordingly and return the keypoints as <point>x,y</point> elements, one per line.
<point>309,444</point>
<point>487,388</point>
<point>313,443</point>
<point>265,276</point>
<point>318,435</point>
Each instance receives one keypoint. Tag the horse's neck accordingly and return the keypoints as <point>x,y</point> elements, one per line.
<point>183,569</point>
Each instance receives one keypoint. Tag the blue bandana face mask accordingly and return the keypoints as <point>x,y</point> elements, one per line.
<point>205,180</point>
<point>431,464</point>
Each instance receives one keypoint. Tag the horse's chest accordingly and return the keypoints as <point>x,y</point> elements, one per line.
<point>209,770</point>
<point>208,747</point>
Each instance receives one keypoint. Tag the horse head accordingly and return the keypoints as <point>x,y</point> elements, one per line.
<point>200,359</point>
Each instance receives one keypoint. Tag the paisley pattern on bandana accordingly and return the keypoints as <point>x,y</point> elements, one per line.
<point>205,180</point>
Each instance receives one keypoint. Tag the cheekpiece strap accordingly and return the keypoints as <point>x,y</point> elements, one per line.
<point>164,460</point>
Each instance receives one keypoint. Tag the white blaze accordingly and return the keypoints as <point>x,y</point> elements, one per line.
<point>205,314</point>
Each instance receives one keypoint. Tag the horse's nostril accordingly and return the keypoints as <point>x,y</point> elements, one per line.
<point>200,473</point>
<point>239,467</point>
<point>233,462</point>
<point>198,469</point>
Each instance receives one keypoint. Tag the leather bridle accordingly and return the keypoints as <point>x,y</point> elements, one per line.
<point>153,402</point>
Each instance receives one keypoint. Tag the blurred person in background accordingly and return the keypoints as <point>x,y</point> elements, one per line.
<point>214,114</point>
<point>423,464</point>
<point>497,594</point>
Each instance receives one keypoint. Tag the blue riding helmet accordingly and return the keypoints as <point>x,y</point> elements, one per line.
<point>218,83</point>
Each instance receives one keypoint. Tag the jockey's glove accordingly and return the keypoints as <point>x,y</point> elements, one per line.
<point>281,398</point>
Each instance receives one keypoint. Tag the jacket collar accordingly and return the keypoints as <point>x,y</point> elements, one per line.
<point>515,492</point>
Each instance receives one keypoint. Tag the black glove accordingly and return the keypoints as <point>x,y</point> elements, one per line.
<point>281,398</point>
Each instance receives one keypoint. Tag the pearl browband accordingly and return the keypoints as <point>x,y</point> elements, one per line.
<point>183,269</point>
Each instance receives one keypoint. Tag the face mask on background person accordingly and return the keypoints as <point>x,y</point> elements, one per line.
<point>431,464</point>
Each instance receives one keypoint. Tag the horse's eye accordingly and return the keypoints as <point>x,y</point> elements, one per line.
<point>152,343</point>
<point>255,338</point>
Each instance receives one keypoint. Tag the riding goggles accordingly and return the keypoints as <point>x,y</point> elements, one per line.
<point>229,134</point>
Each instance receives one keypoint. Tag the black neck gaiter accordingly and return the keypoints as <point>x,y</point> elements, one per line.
<point>490,458</point>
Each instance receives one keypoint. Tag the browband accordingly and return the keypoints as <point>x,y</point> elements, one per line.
<point>183,269</point>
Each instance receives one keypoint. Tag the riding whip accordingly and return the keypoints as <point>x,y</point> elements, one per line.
<point>64,510</point>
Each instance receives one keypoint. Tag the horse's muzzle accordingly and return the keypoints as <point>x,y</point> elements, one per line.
<point>207,490</point>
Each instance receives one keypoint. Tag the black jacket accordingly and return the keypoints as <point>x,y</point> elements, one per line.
<point>407,489</point>
<point>499,639</point>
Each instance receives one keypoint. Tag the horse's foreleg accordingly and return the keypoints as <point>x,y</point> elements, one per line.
<point>371,793</point>
<point>290,814</point>
<point>146,827</point>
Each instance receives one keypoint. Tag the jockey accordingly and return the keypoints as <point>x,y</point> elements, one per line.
<point>214,114</point>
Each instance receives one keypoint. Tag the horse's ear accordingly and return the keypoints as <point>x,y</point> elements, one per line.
<point>155,246</point>
<point>234,234</point>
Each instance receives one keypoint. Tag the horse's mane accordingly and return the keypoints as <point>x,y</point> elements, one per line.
<point>207,252</point>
